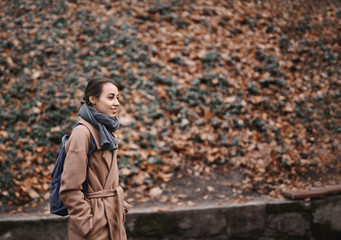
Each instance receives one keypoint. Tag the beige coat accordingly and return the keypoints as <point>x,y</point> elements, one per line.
<point>101,214</point>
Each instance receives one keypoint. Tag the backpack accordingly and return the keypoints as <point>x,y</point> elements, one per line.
<point>56,205</point>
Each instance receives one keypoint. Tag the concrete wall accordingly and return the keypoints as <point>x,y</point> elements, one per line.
<point>278,220</point>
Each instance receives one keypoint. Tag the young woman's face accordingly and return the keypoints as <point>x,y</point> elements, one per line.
<point>107,102</point>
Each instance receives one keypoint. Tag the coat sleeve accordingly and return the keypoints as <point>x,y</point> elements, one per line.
<point>73,176</point>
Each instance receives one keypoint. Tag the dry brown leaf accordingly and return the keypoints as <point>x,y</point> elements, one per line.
<point>155,192</point>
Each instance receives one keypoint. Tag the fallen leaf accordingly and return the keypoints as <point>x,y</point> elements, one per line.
<point>155,192</point>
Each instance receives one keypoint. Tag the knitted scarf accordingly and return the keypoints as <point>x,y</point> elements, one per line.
<point>104,123</point>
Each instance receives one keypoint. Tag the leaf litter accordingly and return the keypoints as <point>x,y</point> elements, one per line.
<point>210,90</point>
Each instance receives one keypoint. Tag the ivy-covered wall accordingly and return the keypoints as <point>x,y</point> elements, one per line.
<point>205,85</point>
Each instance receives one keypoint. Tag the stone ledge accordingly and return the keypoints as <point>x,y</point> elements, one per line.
<point>268,220</point>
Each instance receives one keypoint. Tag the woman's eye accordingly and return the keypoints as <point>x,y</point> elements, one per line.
<point>113,97</point>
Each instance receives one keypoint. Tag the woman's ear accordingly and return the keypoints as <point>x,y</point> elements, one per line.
<point>92,99</point>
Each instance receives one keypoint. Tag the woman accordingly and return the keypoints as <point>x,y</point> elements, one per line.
<point>101,214</point>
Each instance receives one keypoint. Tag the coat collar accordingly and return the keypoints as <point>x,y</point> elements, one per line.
<point>93,130</point>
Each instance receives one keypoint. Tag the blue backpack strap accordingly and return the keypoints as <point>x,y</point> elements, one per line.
<point>64,140</point>
<point>75,126</point>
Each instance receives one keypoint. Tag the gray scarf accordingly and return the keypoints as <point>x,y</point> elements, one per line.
<point>104,123</point>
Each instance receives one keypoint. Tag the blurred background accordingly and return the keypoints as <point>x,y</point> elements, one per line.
<point>220,100</point>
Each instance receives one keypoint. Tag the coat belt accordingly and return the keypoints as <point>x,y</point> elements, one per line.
<point>102,194</point>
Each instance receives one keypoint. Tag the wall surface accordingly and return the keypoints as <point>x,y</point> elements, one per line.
<point>277,220</point>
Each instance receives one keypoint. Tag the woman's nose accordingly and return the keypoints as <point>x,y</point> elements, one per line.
<point>117,103</point>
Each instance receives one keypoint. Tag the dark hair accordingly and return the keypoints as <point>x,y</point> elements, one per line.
<point>94,88</point>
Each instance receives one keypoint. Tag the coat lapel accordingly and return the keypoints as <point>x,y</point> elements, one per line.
<point>111,175</point>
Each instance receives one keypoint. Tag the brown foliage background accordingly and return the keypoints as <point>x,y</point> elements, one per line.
<point>252,86</point>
